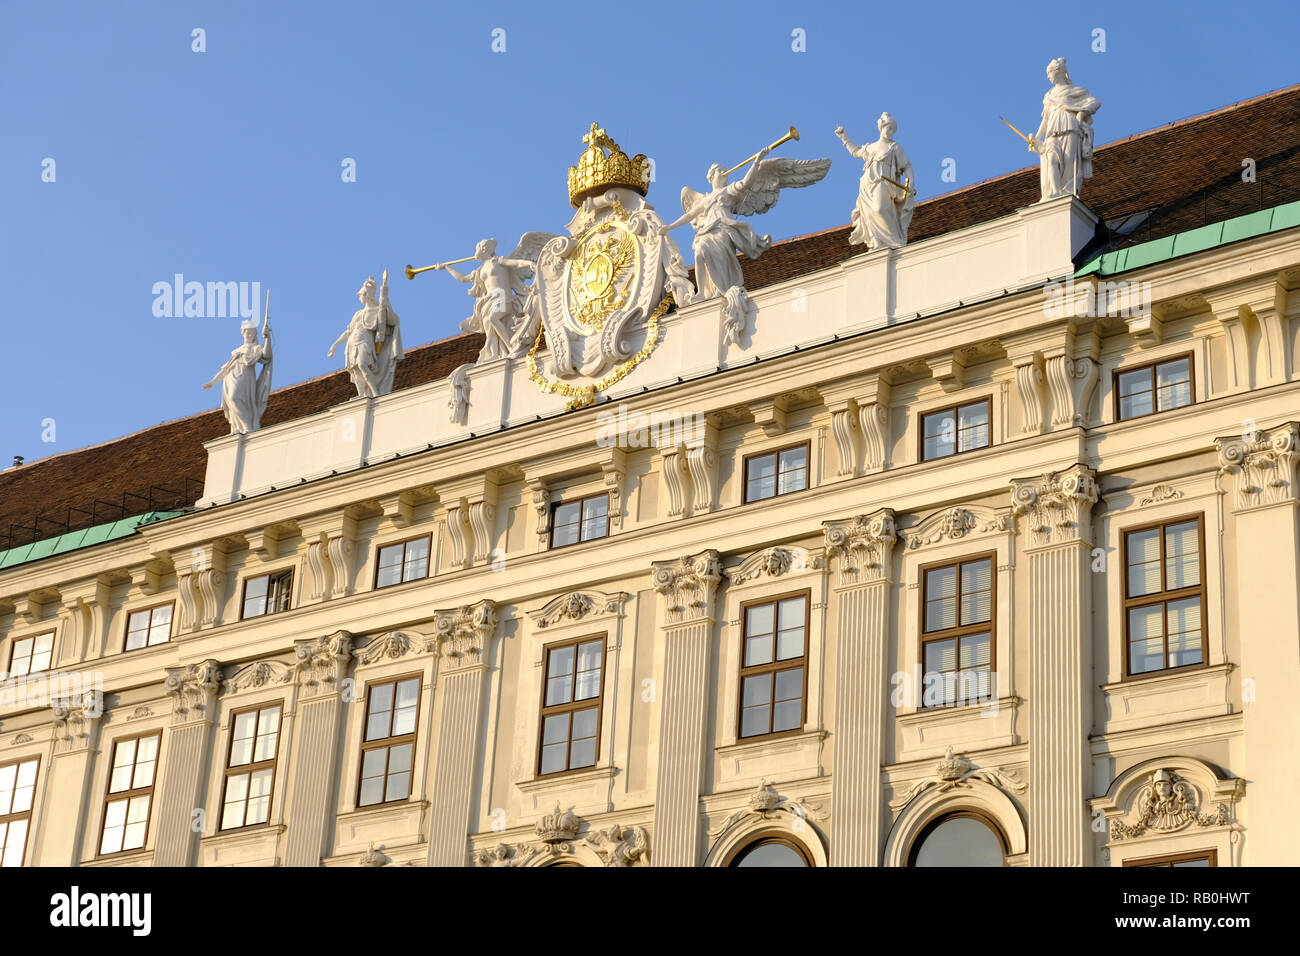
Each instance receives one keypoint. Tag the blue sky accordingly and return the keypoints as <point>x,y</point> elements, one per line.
<point>226,165</point>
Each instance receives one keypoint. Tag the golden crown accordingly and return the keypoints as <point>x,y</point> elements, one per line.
<point>597,172</point>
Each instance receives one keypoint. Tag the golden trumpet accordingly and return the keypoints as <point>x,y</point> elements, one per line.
<point>793,134</point>
<point>411,273</point>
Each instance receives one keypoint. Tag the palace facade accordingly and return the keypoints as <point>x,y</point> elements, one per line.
<point>980,551</point>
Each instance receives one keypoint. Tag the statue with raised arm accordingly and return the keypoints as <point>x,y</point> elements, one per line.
<point>886,198</point>
<point>719,235</point>
<point>499,285</point>
<point>374,342</point>
<point>1063,141</point>
<point>245,390</point>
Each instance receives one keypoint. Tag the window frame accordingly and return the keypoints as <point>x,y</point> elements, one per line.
<point>556,505</point>
<point>252,766</point>
<point>959,813</point>
<point>806,445</point>
<point>289,570</point>
<point>379,549</point>
<point>128,795</point>
<point>171,627</point>
<point>1169,859</point>
<point>543,711</point>
<point>389,742</point>
<point>775,666</point>
<point>960,630</point>
<point>13,650</point>
<point>987,401</point>
<point>765,837</point>
<point>1163,597</point>
<point>1151,367</point>
<point>11,817</point>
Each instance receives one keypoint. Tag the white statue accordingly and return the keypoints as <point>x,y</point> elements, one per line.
<point>886,198</point>
<point>719,235</point>
<point>1064,138</point>
<point>244,390</point>
<point>499,286</point>
<point>374,342</point>
<point>458,403</point>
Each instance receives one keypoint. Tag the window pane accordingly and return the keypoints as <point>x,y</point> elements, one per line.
<point>372,791</point>
<point>595,517</point>
<point>137,818</point>
<point>961,841</point>
<point>754,720</point>
<point>555,729</point>
<point>1146,639</point>
<point>380,708</point>
<point>771,855</point>
<point>1182,556</point>
<point>268,732</point>
<point>565,525</point>
<point>416,564</point>
<point>241,740</point>
<point>1135,397</point>
<point>13,842</point>
<point>160,626</point>
<point>940,433</point>
<point>940,598</point>
<point>259,798</point>
<point>255,596</point>
<point>757,690</point>
<point>1184,632</point>
<point>1174,384</point>
<point>789,684</point>
<point>399,773</point>
<point>589,670</point>
<point>973,427</point>
<point>144,763</point>
<point>553,757</point>
<point>1143,562</point>
<point>793,470</point>
<point>760,478</point>
<point>390,565</point>
<point>977,592</point>
<point>758,619</point>
<point>786,715</point>
<point>758,650</point>
<point>582,753</point>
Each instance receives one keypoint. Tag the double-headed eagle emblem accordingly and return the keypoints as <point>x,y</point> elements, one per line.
<point>600,271</point>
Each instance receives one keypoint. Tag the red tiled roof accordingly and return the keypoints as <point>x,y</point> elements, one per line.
<point>1183,175</point>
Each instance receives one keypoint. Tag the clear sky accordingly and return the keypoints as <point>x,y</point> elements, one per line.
<point>227,165</point>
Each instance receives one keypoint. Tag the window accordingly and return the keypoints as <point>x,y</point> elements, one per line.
<point>957,632</point>
<point>149,627</point>
<point>250,767</point>
<point>17,791</point>
<point>388,745</point>
<point>31,654</point>
<point>951,431</point>
<point>776,473</point>
<point>581,520</point>
<point>772,851</point>
<point>130,793</point>
<point>1157,387</point>
<point>268,593</point>
<point>964,838</point>
<point>773,666</point>
<point>1198,858</point>
<point>399,563</point>
<point>570,719</point>
<point>1164,596</point>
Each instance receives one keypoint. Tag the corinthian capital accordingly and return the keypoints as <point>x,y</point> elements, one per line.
<point>1262,465</point>
<point>465,632</point>
<point>862,546</point>
<point>322,661</point>
<point>193,689</point>
<point>688,585</point>
<point>1057,506</point>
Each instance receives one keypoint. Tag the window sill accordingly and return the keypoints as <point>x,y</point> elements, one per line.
<point>1163,697</point>
<point>929,731</point>
<point>567,778</point>
<point>752,759</point>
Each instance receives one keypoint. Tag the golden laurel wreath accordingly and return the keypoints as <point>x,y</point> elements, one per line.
<point>581,396</point>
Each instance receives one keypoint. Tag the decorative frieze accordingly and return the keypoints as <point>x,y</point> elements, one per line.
<point>772,563</point>
<point>613,846</point>
<point>688,585</point>
<point>862,546</point>
<point>392,646</point>
<point>1167,803</point>
<point>257,674</point>
<point>1262,465</point>
<point>1057,506</point>
<point>464,633</point>
<point>956,772</point>
<point>767,804</point>
<point>577,605</point>
<point>1159,493</point>
<point>953,524</point>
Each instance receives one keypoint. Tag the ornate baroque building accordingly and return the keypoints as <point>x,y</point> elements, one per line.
<point>979,550</point>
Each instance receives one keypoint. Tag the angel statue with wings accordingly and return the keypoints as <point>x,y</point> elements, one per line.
<point>499,286</point>
<point>374,342</point>
<point>719,235</point>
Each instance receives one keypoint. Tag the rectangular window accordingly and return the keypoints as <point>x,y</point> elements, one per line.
<point>571,694</point>
<point>951,431</point>
<point>957,632</point>
<point>31,654</point>
<point>130,793</point>
<point>582,520</point>
<point>1198,858</point>
<point>268,593</point>
<point>149,627</point>
<point>388,743</point>
<point>773,666</point>
<point>250,767</point>
<point>1164,596</point>
<point>776,473</point>
<point>17,792</point>
<point>1157,387</point>
<point>402,562</point>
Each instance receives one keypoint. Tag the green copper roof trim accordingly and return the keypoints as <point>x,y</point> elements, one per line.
<point>80,539</point>
<point>1249,226</point>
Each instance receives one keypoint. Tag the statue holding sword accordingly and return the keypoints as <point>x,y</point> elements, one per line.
<point>1063,140</point>
<point>886,198</point>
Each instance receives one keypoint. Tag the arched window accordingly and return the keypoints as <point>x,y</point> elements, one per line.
<point>772,850</point>
<point>964,838</point>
